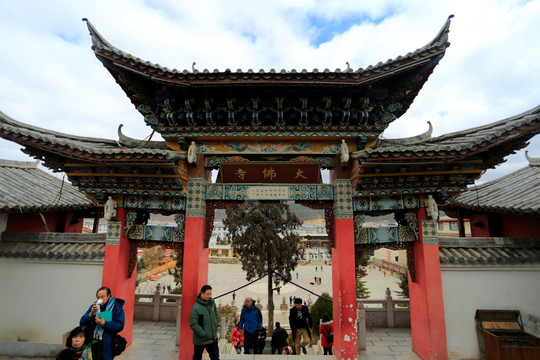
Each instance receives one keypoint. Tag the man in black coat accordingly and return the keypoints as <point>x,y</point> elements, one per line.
<point>301,324</point>
<point>279,339</point>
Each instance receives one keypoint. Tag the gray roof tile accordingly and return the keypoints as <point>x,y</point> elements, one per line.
<point>25,188</point>
<point>53,246</point>
<point>517,193</point>
<point>478,251</point>
<point>78,145</point>
<point>461,142</point>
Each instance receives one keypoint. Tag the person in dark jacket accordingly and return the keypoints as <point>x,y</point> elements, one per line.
<point>250,322</point>
<point>279,339</point>
<point>203,320</point>
<point>261,339</point>
<point>104,330</point>
<point>301,323</point>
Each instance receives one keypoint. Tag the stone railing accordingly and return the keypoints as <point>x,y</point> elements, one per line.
<point>381,314</point>
<point>155,307</point>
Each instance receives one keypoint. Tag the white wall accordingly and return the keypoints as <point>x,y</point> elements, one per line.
<point>467,288</point>
<point>40,301</point>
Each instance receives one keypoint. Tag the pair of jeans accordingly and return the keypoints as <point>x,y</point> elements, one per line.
<point>327,350</point>
<point>278,349</point>
<point>212,350</point>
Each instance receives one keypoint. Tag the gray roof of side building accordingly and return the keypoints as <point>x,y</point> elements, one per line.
<point>489,251</point>
<point>25,188</point>
<point>517,193</point>
<point>53,246</point>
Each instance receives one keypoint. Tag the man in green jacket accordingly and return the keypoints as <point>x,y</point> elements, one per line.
<point>203,320</point>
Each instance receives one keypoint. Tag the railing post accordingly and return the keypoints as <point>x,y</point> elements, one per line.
<point>156,301</point>
<point>389,308</point>
<point>178,319</point>
<point>223,330</point>
<point>361,326</point>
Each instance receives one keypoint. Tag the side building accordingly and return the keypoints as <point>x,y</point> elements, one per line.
<point>49,269</point>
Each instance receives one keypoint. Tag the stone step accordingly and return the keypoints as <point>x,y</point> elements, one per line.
<point>268,357</point>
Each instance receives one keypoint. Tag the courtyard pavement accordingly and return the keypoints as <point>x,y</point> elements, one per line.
<point>156,341</point>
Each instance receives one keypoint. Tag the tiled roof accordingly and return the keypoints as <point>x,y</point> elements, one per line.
<point>53,246</point>
<point>78,147</point>
<point>518,192</point>
<point>478,251</point>
<point>517,129</point>
<point>25,188</point>
<point>358,76</point>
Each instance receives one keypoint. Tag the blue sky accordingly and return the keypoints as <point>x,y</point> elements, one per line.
<point>50,78</point>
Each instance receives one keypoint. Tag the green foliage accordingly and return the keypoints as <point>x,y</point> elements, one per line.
<point>229,313</point>
<point>263,239</point>
<point>176,272</point>
<point>404,286</point>
<point>141,265</point>
<point>320,308</point>
<point>176,291</point>
<point>362,291</point>
<point>362,259</point>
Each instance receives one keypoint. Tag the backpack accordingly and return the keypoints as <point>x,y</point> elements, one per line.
<point>329,337</point>
<point>118,345</point>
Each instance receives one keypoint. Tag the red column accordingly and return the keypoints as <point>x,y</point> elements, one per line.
<point>428,329</point>
<point>344,274</point>
<point>195,267</point>
<point>115,269</point>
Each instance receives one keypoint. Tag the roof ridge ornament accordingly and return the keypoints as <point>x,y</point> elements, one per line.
<point>533,161</point>
<point>442,36</point>
<point>426,136</point>
<point>97,39</point>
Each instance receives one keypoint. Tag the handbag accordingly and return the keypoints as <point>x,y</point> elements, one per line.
<point>118,345</point>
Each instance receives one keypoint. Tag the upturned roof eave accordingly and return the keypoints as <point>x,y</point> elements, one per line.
<point>102,48</point>
<point>77,147</point>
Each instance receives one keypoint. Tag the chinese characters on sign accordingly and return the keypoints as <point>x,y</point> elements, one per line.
<point>270,173</point>
<point>268,193</point>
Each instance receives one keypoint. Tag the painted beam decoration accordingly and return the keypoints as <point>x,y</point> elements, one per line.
<point>156,233</point>
<point>269,192</point>
<point>274,173</point>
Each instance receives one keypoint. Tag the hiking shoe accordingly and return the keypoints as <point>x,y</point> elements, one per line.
<point>304,350</point>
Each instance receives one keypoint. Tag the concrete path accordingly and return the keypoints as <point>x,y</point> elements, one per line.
<point>155,341</point>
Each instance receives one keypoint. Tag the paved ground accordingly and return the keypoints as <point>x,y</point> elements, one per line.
<point>226,277</point>
<point>155,341</point>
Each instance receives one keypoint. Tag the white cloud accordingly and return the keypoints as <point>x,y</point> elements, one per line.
<point>50,77</point>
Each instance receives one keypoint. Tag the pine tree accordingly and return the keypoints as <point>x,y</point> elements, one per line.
<point>404,286</point>
<point>362,291</point>
<point>262,238</point>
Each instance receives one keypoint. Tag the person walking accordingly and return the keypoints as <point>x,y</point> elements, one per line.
<point>279,339</point>
<point>327,334</point>
<point>106,318</point>
<point>301,323</point>
<point>203,320</point>
<point>250,321</point>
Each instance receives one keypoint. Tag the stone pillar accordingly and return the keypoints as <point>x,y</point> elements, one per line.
<point>344,274</point>
<point>428,329</point>
<point>115,269</point>
<point>195,268</point>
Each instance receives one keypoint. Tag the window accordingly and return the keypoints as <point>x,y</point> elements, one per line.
<point>454,226</point>
<point>441,226</point>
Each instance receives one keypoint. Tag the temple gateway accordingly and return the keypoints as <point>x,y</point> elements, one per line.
<point>269,134</point>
